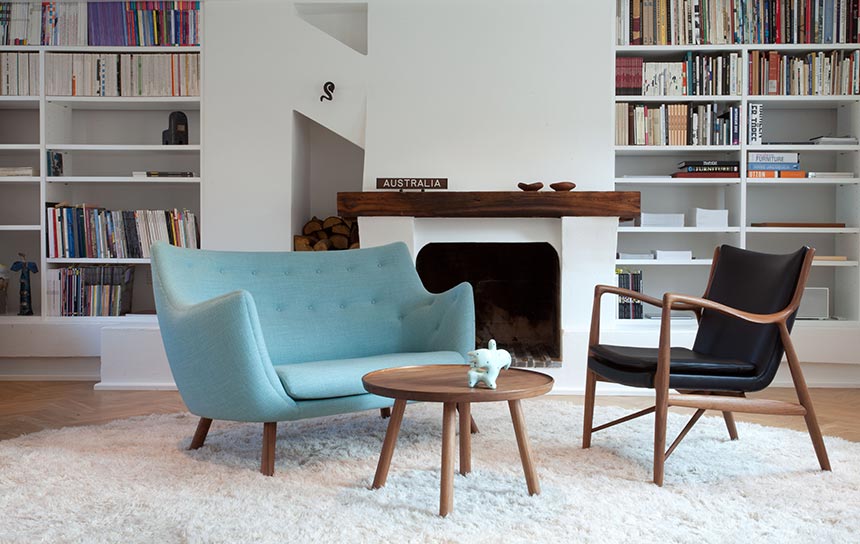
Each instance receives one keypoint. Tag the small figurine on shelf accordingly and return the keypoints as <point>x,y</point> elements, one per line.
<point>25,267</point>
<point>4,283</point>
<point>486,364</point>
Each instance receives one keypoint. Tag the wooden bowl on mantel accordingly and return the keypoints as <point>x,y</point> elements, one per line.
<point>563,186</point>
<point>536,186</point>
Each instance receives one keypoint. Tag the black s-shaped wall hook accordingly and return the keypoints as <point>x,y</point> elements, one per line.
<point>328,88</point>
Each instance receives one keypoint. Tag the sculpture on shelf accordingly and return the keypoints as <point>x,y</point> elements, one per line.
<point>562,186</point>
<point>25,267</point>
<point>486,364</point>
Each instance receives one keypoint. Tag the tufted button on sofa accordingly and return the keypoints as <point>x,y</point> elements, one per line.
<point>280,336</point>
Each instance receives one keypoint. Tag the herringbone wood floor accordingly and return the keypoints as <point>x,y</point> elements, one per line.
<point>27,407</point>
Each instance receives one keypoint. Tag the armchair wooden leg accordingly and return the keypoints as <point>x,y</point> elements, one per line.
<point>200,433</point>
<point>804,399</point>
<point>267,463</point>
<point>588,408</point>
<point>730,425</point>
<point>385,413</point>
<point>660,415</point>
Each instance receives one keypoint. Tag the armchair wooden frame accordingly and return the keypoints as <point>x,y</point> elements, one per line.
<point>726,402</point>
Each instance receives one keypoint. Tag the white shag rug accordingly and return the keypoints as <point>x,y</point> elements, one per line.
<point>134,481</point>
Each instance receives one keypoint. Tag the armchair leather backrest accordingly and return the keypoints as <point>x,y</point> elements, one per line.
<point>754,282</point>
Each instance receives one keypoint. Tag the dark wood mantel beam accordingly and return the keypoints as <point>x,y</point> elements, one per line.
<point>623,204</point>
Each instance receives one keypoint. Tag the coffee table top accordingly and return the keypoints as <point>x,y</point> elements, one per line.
<point>450,383</point>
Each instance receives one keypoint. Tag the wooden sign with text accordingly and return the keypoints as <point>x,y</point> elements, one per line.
<point>411,183</point>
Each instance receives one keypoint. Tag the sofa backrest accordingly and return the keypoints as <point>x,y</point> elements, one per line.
<point>311,305</point>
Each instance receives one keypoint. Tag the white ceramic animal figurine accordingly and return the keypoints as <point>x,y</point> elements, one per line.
<point>486,364</point>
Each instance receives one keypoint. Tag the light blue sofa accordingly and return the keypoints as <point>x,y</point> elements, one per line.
<point>280,336</point>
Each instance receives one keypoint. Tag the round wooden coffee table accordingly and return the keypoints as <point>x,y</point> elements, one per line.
<point>448,384</point>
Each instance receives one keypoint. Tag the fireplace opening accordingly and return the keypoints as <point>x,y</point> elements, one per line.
<point>517,290</point>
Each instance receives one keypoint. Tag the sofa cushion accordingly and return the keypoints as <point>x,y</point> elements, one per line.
<point>342,377</point>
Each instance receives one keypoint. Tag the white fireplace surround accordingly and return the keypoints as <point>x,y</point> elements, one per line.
<point>586,251</point>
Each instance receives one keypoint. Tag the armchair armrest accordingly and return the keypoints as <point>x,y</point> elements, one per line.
<point>600,290</point>
<point>699,303</point>
<point>219,359</point>
<point>442,322</point>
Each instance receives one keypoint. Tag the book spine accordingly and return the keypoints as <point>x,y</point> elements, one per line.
<point>773,166</point>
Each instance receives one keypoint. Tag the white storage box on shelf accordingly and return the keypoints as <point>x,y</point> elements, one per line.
<point>661,219</point>
<point>674,255</point>
<point>706,218</point>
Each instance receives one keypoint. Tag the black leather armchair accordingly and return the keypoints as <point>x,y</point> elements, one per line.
<point>745,317</point>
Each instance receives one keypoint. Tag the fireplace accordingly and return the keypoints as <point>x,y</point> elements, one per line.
<point>517,290</point>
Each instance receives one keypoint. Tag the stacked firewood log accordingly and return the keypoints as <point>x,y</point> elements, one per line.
<point>333,233</point>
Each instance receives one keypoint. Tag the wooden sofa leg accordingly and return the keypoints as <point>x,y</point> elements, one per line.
<point>200,433</point>
<point>730,425</point>
<point>588,408</point>
<point>385,413</point>
<point>267,463</point>
<point>473,427</point>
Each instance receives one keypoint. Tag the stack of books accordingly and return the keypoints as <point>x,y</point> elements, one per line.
<point>677,124</point>
<point>708,169</point>
<point>696,75</point>
<point>19,74</point>
<point>774,165</point>
<point>810,74</point>
<point>85,232</point>
<point>629,308</point>
<point>92,291</point>
<point>113,74</point>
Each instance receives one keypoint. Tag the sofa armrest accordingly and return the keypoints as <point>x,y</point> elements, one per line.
<point>219,359</point>
<point>442,322</point>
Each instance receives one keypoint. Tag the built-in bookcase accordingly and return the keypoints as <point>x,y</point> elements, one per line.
<point>102,140</point>
<point>789,123</point>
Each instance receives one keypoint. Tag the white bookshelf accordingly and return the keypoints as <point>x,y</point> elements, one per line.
<point>103,140</point>
<point>793,119</point>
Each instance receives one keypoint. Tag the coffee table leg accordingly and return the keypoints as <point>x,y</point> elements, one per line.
<point>446,497</point>
<point>388,444</point>
<point>524,447</point>
<point>465,410</point>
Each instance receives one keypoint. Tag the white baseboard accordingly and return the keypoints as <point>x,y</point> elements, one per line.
<point>119,386</point>
<point>85,369</point>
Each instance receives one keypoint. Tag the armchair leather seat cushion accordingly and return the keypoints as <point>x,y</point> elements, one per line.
<point>342,377</point>
<point>683,361</point>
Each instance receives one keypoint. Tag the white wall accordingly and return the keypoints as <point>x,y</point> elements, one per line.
<point>490,92</point>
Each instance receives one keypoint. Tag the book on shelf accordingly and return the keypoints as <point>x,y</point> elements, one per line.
<point>799,224</point>
<point>831,140</point>
<point>677,124</point>
<point>634,256</point>
<point>804,74</point>
<point>841,175</point>
<point>673,255</point>
<point>91,232</point>
<point>704,175</point>
<point>755,124</point>
<point>628,307</point>
<point>16,171</point>
<point>776,174</point>
<point>55,163</point>
<point>778,166</point>
<point>162,174</point>
<point>100,23</point>
<point>19,73</point>
<point>696,75</point>
<point>833,258</point>
<point>122,74</point>
<point>91,291</point>
<point>700,22</point>
<point>709,166</point>
<point>767,156</point>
